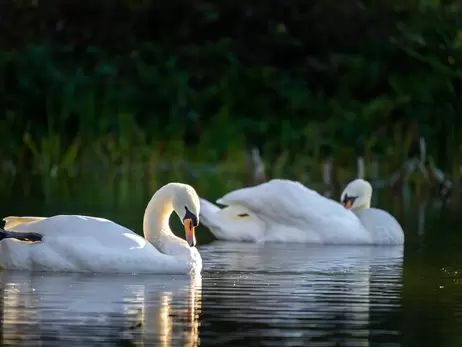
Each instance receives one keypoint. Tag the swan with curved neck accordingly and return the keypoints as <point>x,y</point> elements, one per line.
<point>90,244</point>
<point>286,211</point>
<point>176,197</point>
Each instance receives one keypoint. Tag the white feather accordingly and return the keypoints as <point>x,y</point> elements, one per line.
<point>286,211</point>
<point>283,211</point>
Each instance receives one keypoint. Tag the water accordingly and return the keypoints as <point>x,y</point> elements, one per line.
<point>256,295</point>
<point>56,309</point>
<point>294,295</point>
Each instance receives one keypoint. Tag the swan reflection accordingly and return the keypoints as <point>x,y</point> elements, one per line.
<point>298,294</point>
<point>76,309</point>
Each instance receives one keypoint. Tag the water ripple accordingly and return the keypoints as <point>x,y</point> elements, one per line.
<point>297,295</point>
<point>78,310</point>
<point>248,295</point>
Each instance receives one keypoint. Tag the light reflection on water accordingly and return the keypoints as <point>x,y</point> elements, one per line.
<point>99,310</point>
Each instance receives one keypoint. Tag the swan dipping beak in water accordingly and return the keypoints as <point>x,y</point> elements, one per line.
<point>89,244</point>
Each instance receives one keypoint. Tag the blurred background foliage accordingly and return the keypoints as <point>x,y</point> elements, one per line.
<point>104,84</point>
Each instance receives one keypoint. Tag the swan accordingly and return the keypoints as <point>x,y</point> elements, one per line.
<point>73,243</point>
<point>286,211</point>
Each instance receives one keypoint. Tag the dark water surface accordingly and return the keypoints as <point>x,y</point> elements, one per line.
<point>256,295</point>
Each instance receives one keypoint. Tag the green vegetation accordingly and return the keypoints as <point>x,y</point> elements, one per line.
<point>96,87</point>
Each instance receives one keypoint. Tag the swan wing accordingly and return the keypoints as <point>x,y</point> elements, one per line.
<point>72,226</point>
<point>383,227</point>
<point>281,198</point>
<point>12,221</point>
<point>232,223</point>
<point>290,203</point>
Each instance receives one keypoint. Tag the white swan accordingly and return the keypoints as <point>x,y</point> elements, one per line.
<point>287,211</point>
<point>89,244</point>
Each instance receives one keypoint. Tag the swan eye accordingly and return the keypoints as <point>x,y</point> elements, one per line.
<point>243,215</point>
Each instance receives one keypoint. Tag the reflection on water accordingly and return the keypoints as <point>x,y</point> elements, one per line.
<point>78,310</point>
<point>258,295</point>
<point>298,295</point>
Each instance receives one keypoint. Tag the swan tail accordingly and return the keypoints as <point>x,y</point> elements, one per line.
<point>24,236</point>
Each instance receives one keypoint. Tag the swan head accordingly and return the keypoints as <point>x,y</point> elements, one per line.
<point>186,205</point>
<point>357,195</point>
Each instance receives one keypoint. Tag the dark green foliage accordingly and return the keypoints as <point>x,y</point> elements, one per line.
<point>301,77</point>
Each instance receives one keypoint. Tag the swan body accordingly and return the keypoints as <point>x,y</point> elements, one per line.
<point>73,243</point>
<point>286,211</point>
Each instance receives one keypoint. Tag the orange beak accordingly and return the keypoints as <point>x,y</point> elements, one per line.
<point>190,232</point>
<point>347,204</point>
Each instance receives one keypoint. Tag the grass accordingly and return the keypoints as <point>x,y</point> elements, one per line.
<point>131,164</point>
<point>119,169</point>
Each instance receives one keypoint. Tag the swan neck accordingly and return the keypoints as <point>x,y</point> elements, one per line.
<point>156,226</point>
<point>362,207</point>
<point>359,209</point>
